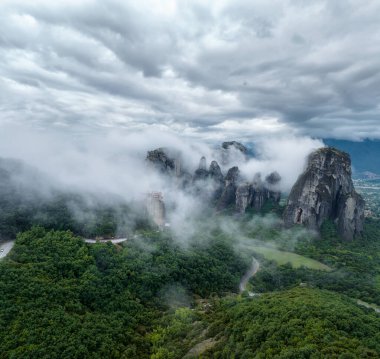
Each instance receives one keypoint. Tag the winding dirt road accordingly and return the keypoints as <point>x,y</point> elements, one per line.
<point>249,274</point>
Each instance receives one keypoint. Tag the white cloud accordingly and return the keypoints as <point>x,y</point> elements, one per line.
<point>210,68</point>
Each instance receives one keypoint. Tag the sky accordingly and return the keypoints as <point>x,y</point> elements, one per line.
<point>211,70</point>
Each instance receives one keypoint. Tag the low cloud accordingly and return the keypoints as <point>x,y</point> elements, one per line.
<point>112,164</point>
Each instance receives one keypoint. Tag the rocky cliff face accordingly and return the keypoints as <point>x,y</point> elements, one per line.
<point>155,207</point>
<point>168,162</point>
<point>325,191</point>
<point>232,152</point>
<point>228,196</point>
<point>236,145</point>
<point>231,191</point>
<point>258,192</point>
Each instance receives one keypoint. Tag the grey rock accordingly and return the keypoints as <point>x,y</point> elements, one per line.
<point>243,197</point>
<point>216,172</point>
<point>261,192</point>
<point>168,162</point>
<point>324,191</point>
<point>351,216</point>
<point>202,163</point>
<point>162,161</point>
<point>232,153</point>
<point>232,175</point>
<point>201,174</point>
<point>231,191</point>
<point>272,183</point>
<point>273,179</point>
<point>228,196</point>
<point>156,208</point>
<point>236,145</point>
<point>217,181</point>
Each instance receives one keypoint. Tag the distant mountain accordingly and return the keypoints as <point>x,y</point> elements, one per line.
<point>365,155</point>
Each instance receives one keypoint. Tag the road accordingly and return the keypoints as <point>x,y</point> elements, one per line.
<point>5,248</point>
<point>114,241</point>
<point>249,274</point>
<point>368,305</point>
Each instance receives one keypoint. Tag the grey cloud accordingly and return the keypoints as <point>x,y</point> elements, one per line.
<point>313,65</point>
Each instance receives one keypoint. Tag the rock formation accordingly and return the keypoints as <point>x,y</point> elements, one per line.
<point>168,162</point>
<point>256,194</point>
<point>217,180</point>
<point>201,173</point>
<point>243,197</point>
<point>229,192</point>
<point>233,152</point>
<point>228,196</point>
<point>163,162</point>
<point>324,191</point>
<point>156,208</point>
<point>236,145</point>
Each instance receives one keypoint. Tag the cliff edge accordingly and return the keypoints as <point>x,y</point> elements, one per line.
<point>324,191</point>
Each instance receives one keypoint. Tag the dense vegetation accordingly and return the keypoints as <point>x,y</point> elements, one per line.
<point>62,298</point>
<point>299,323</point>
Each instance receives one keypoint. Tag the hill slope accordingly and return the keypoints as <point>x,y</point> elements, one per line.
<point>298,323</point>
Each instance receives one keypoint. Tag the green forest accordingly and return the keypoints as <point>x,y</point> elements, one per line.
<point>153,297</point>
<point>160,295</point>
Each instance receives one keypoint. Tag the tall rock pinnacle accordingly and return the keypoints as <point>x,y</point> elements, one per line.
<point>325,192</point>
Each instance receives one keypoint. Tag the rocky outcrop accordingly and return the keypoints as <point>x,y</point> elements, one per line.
<point>272,183</point>
<point>201,174</point>
<point>236,145</point>
<point>156,208</point>
<point>324,191</point>
<point>243,197</point>
<point>233,152</point>
<point>216,172</point>
<point>164,161</point>
<point>229,192</point>
<point>256,194</point>
<point>168,162</point>
<point>228,196</point>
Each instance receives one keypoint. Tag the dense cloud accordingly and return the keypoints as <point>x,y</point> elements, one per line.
<point>110,167</point>
<point>207,69</point>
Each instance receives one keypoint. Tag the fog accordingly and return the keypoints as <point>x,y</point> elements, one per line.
<point>112,163</point>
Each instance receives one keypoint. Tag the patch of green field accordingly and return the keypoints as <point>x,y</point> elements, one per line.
<point>283,257</point>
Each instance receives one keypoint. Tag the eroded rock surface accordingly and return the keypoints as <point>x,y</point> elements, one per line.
<point>232,191</point>
<point>256,194</point>
<point>228,196</point>
<point>232,153</point>
<point>324,191</point>
<point>164,161</point>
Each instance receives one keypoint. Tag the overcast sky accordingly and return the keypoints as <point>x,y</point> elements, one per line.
<point>209,69</point>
